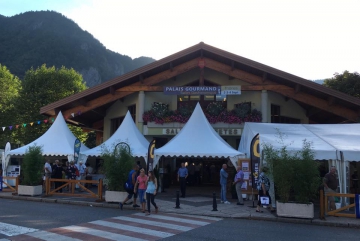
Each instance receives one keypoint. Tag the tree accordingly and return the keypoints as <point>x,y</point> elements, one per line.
<point>10,86</point>
<point>41,87</point>
<point>346,82</point>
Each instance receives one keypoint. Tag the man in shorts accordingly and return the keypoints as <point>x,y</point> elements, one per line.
<point>331,184</point>
<point>129,187</point>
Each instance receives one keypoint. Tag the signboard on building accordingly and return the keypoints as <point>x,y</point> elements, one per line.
<point>231,90</point>
<point>192,90</point>
<point>203,90</point>
<point>220,131</point>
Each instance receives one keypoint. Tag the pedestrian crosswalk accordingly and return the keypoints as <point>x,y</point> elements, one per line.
<point>134,227</point>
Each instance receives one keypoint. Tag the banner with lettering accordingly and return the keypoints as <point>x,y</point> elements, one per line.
<point>150,159</point>
<point>77,146</point>
<point>255,159</point>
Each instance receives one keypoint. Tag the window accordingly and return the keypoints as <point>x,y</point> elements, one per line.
<point>275,114</point>
<point>277,118</point>
<point>115,123</point>
<point>244,108</point>
<point>132,110</point>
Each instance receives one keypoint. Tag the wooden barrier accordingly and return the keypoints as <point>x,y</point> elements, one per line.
<point>337,212</point>
<point>71,184</point>
<point>11,189</point>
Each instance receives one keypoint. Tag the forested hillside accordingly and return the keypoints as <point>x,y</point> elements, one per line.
<point>34,38</point>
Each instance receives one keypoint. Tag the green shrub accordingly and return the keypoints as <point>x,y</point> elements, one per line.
<point>33,166</point>
<point>295,174</point>
<point>116,165</point>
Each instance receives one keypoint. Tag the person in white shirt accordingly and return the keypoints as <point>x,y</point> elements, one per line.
<point>82,171</point>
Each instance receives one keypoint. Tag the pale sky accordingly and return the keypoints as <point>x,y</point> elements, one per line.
<point>312,39</point>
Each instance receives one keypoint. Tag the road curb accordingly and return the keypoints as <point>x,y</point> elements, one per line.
<point>216,215</point>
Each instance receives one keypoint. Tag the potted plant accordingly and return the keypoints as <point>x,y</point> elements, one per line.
<point>116,166</point>
<point>32,169</point>
<point>296,177</point>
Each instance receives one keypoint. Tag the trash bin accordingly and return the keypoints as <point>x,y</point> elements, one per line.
<point>338,205</point>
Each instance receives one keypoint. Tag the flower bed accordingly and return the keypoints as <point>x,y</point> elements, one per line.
<point>215,112</point>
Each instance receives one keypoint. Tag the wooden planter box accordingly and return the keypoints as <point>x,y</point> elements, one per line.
<point>295,210</point>
<point>29,190</point>
<point>115,196</point>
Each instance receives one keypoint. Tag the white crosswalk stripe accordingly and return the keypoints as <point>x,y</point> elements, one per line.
<point>162,217</point>
<point>12,230</point>
<point>48,236</point>
<point>100,233</point>
<point>135,227</point>
<point>154,223</point>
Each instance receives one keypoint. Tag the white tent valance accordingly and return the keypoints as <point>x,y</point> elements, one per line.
<point>58,140</point>
<point>198,139</point>
<point>328,140</point>
<point>128,133</point>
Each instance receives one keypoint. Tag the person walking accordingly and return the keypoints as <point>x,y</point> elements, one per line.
<point>263,186</point>
<point>152,186</point>
<point>47,173</point>
<point>57,174</point>
<point>140,188</point>
<point>238,181</point>
<point>331,184</point>
<point>129,187</point>
<point>82,173</point>
<point>223,181</point>
<point>182,175</point>
<point>71,174</point>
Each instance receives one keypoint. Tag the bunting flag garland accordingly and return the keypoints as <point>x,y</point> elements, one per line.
<point>39,122</point>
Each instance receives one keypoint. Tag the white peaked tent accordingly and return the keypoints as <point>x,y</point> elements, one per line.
<point>199,139</point>
<point>293,136</point>
<point>337,143</point>
<point>128,133</point>
<point>58,140</point>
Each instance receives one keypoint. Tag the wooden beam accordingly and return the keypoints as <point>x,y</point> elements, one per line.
<point>300,96</point>
<point>232,65</point>
<point>149,88</point>
<point>152,80</point>
<point>141,79</point>
<point>264,77</point>
<point>331,100</point>
<point>112,90</point>
<point>320,103</point>
<point>171,66</point>
<point>297,88</point>
<point>82,102</point>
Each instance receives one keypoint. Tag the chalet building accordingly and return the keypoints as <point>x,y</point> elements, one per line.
<point>218,80</point>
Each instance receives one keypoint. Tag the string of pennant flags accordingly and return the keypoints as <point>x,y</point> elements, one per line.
<point>46,121</point>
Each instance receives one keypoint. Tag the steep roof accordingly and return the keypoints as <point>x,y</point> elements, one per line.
<point>228,63</point>
<point>128,133</point>
<point>197,139</point>
<point>58,140</point>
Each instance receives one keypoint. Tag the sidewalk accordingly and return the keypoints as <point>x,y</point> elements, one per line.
<point>197,205</point>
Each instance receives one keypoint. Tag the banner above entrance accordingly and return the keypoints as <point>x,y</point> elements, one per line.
<point>202,90</point>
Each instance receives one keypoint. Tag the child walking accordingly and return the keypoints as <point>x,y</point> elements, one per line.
<point>151,192</point>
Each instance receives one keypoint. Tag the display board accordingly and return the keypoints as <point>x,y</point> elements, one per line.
<point>246,168</point>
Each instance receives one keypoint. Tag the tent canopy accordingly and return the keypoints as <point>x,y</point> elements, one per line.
<point>128,133</point>
<point>327,140</point>
<point>198,139</point>
<point>58,140</point>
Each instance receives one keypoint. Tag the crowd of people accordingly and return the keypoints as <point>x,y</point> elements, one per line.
<point>139,185</point>
<point>69,171</point>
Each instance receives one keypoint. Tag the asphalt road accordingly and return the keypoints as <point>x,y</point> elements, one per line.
<point>45,216</point>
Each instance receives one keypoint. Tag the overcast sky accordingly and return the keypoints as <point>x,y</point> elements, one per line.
<point>312,39</point>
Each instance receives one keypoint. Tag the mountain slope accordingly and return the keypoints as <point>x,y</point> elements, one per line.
<point>47,37</point>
